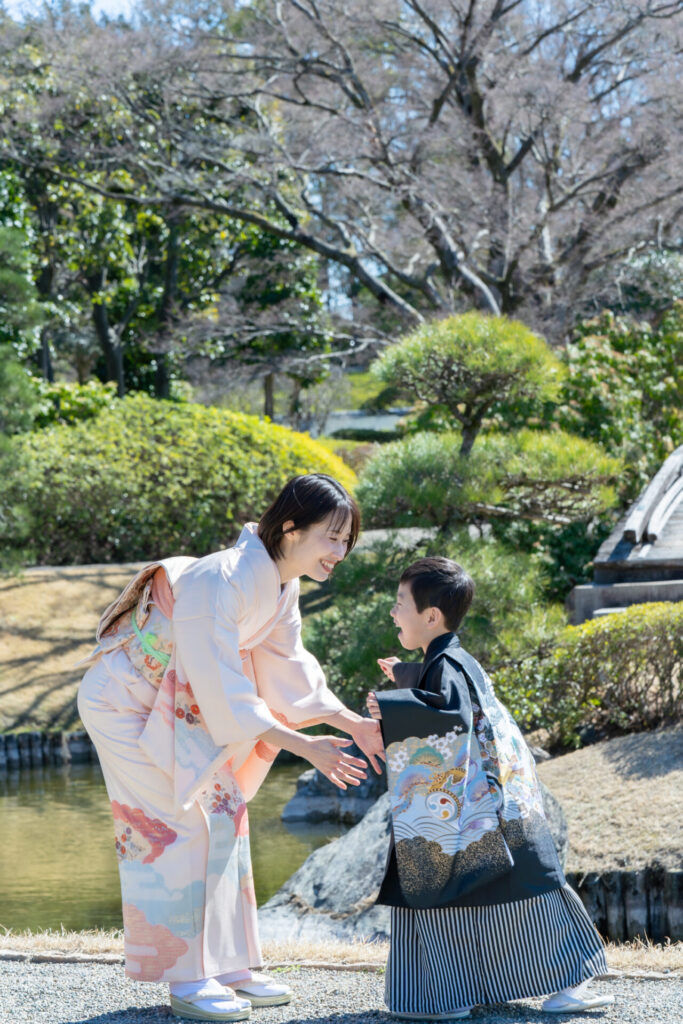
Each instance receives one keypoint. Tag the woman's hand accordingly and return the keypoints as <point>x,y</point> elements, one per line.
<point>325,754</point>
<point>387,666</point>
<point>368,736</point>
<point>372,705</point>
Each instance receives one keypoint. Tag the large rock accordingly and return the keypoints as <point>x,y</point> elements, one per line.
<point>332,894</point>
<point>557,823</point>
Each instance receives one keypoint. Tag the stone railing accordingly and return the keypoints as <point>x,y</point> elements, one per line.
<point>627,904</point>
<point>21,750</point>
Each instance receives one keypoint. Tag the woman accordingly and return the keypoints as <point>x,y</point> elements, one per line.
<point>199,678</point>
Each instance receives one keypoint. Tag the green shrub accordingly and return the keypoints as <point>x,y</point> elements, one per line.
<point>566,550</point>
<point>70,402</point>
<point>508,618</point>
<point>425,480</point>
<point>146,479</point>
<point>624,389</point>
<point>621,672</point>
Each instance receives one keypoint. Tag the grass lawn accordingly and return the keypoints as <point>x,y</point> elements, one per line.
<point>637,957</point>
<point>621,801</point>
<point>48,619</point>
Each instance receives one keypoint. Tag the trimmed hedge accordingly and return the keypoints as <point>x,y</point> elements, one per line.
<point>147,479</point>
<point>524,474</point>
<point>617,673</point>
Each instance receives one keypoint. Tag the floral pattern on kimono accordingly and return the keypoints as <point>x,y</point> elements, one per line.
<point>137,836</point>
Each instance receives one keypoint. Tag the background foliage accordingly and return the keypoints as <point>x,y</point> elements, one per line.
<point>510,616</point>
<point>149,478</point>
<point>617,673</point>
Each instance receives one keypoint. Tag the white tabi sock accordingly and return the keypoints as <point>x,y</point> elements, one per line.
<point>232,976</point>
<point>578,991</point>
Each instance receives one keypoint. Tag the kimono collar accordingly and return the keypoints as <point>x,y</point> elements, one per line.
<point>438,646</point>
<point>250,540</point>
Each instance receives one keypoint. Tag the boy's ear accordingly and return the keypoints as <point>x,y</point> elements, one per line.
<point>434,616</point>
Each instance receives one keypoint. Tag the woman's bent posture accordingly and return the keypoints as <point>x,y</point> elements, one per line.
<point>198,679</point>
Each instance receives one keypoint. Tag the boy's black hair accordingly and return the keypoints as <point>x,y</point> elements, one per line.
<point>305,500</point>
<point>440,583</point>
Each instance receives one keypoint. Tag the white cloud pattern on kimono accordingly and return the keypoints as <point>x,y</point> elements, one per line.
<point>182,909</point>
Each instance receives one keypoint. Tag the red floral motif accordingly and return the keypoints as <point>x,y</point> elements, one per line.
<point>187,709</point>
<point>283,720</point>
<point>150,948</point>
<point>224,800</point>
<point>139,837</point>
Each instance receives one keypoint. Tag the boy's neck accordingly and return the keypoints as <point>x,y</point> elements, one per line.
<point>435,636</point>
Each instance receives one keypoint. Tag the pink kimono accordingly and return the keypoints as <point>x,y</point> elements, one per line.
<point>175,707</point>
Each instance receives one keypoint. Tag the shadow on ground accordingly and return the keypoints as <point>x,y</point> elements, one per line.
<point>520,1013</point>
<point>647,755</point>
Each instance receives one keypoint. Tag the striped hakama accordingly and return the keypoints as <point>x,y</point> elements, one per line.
<point>449,958</point>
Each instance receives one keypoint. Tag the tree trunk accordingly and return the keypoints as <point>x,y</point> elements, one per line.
<point>162,378</point>
<point>109,341</point>
<point>268,399</point>
<point>45,358</point>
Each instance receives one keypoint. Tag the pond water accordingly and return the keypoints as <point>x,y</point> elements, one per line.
<point>57,860</point>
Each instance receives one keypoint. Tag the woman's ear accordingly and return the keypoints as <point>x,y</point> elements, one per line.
<point>288,526</point>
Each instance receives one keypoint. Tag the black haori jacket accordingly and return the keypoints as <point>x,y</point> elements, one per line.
<point>467,815</point>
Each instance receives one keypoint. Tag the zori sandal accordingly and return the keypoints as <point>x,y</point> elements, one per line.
<point>261,990</point>
<point>561,1002</point>
<point>211,1002</point>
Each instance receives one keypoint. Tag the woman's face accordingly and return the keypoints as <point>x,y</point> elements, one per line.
<point>315,551</point>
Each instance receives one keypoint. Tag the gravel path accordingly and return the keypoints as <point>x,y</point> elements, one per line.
<point>33,993</point>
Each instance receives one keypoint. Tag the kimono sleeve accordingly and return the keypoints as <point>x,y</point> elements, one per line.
<point>289,678</point>
<point>208,656</point>
<point>407,674</point>
<point>437,706</point>
<point>448,837</point>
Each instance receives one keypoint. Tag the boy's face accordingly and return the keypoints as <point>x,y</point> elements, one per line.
<point>414,626</point>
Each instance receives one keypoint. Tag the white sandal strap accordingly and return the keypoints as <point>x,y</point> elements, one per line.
<point>209,989</point>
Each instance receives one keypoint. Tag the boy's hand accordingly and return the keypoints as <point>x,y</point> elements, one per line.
<point>368,736</point>
<point>387,666</point>
<point>372,705</point>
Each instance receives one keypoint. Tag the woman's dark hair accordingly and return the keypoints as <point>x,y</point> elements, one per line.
<point>440,583</point>
<point>306,500</point>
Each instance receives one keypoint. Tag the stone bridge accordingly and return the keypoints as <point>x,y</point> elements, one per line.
<point>642,560</point>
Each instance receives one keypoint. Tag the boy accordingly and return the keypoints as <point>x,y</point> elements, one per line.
<point>481,911</point>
